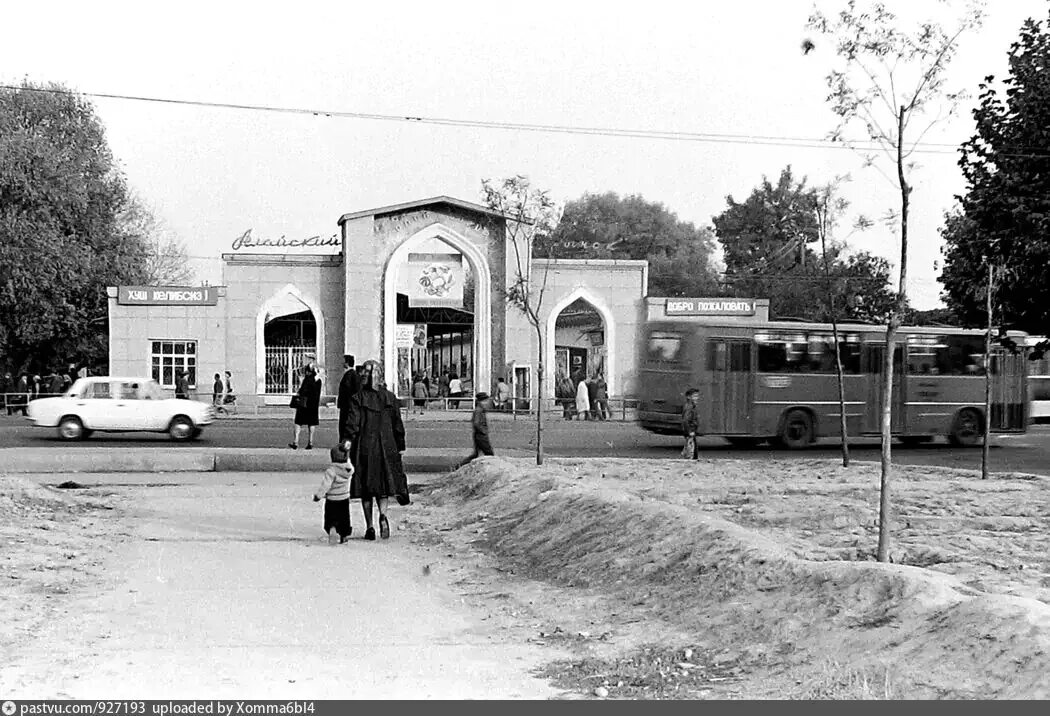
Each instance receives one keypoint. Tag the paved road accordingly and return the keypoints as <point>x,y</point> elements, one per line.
<point>1025,453</point>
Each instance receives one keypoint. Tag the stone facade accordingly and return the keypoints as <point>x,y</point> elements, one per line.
<point>352,297</point>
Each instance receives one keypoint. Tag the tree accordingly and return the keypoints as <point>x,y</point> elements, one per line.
<point>607,226</point>
<point>828,208</point>
<point>61,236</point>
<point>887,80</point>
<point>767,240</point>
<point>163,256</point>
<point>1004,215</point>
<point>529,214</point>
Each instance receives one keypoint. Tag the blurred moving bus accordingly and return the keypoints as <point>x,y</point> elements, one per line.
<point>776,381</point>
<point>1039,384</point>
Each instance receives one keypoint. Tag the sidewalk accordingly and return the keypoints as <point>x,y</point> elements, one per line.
<point>230,591</point>
<point>462,415</point>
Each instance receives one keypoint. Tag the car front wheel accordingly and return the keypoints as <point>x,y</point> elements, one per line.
<point>181,428</point>
<point>70,428</point>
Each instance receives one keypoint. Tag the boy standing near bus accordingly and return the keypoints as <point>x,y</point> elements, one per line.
<point>691,423</point>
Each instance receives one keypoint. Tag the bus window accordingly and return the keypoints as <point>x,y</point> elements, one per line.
<point>664,346</point>
<point>806,353</point>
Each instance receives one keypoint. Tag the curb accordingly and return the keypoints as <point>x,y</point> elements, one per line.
<point>117,460</point>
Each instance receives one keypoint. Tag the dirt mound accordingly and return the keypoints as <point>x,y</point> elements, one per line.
<point>737,585</point>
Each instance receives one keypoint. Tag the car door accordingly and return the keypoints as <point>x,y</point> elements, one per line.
<point>127,408</point>
<point>151,408</point>
<point>94,406</point>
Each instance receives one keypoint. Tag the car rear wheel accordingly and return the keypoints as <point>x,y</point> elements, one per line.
<point>968,429</point>
<point>70,428</point>
<point>181,428</point>
<point>797,431</point>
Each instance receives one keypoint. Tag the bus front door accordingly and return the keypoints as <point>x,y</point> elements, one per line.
<point>729,368</point>
<point>874,357</point>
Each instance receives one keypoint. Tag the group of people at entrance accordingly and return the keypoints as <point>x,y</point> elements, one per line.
<point>582,397</point>
<point>366,464</point>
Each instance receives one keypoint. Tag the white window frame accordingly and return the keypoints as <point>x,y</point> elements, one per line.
<point>176,362</point>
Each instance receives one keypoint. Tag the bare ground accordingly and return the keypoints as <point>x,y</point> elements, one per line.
<point>764,571</point>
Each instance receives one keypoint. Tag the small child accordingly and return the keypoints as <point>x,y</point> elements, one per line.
<point>691,423</point>
<point>335,487</point>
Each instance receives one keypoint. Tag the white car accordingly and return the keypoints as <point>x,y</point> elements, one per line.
<point>115,404</point>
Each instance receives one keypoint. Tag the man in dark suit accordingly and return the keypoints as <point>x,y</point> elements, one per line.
<point>349,385</point>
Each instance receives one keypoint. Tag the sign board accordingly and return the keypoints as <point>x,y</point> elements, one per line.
<point>709,307</point>
<point>249,243</point>
<point>436,280</point>
<point>404,335</point>
<point>168,295</point>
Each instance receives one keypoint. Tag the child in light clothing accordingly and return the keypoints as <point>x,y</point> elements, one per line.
<point>335,488</point>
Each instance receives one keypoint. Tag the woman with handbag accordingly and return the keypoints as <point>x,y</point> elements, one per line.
<point>375,439</point>
<point>306,403</point>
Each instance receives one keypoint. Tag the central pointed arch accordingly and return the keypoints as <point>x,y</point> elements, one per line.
<point>609,326</point>
<point>482,300</point>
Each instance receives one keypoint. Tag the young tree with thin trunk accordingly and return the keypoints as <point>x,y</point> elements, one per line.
<point>828,209</point>
<point>530,213</point>
<point>888,81</point>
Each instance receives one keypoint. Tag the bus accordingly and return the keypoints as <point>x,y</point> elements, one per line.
<point>776,381</point>
<point>1038,383</point>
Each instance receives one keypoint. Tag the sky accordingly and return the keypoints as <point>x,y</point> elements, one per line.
<point>210,174</point>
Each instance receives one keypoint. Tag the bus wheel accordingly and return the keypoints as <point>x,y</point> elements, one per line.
<point>797,431</point>
<point>968,429</point>
<point>744,443</point>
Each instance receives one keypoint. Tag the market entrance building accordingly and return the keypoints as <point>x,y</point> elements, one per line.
<point>419,286</point>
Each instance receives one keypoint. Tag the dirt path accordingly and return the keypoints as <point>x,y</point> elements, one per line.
<point>226,590</point>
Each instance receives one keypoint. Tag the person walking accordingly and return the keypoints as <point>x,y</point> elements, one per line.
<point>419,394</point>
<point>601,397</point>
<point>455,390</point>
<point>216,394</point>
<point>307,405</point>
<point>583,402</point>
<point>691,424</point>
<point>566,395</point>
<point>502,401</point>
<point>335,490</point>
<point>349,384</point>
<point>229,398</point>
<point>182,384</point>
<point>592,397</point>
<point>480,425</point>
<point>22,394</point>
<point>375,439</point>
<point>7,387</point>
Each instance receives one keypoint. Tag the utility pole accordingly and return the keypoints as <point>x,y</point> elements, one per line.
<point>987,375</point>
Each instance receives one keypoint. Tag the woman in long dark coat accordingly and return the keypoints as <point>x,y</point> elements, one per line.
<point>309,402</point>
<point>375,439</point>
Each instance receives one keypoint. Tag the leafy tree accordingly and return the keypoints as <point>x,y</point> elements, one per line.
<point>1004,215</point>
<point>62,239</point>
<point>767,240</point>
<point>607,226</point>
<point>529,213</point>
<point>888,80</point>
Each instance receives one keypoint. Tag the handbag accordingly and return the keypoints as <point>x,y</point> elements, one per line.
<point>294,402</point>
<point>689,449</point>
